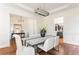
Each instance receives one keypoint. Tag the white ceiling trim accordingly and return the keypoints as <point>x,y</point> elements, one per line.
<point>60,8</point>
<point>27,8</point>
<point>24,7</point>
<point>50,11</point>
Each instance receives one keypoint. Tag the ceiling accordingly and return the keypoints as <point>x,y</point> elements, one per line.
<point>50,7</point>
<point>46,6</point>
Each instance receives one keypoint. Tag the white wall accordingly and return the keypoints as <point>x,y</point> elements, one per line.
<point>5,32</point>
<point>38,22</point>
<point>4,26</point>
<point>71,14</point>
<point>71,24</point>
<point>30,20</point>
<point>71,30</point>
<point>48,22</point>
<point>30,25</point>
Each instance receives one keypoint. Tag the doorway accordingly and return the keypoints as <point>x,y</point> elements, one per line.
<point>17,28</point>
<point>58,22</point>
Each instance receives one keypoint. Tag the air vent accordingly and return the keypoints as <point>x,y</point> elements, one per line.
<point>41,12</point>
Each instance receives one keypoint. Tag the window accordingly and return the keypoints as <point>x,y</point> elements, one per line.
<point>59,20</point>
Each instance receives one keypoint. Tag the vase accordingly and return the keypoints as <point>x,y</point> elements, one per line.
<point>42,34</point>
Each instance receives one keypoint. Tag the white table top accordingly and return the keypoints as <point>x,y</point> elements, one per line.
<point>37,40</point>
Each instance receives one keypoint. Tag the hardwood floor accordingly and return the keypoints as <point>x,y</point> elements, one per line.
<point>9,50</point>
<point>64,49</point>
<point>70,49</point>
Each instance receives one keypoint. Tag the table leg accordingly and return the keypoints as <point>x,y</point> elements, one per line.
<point>35,46</point>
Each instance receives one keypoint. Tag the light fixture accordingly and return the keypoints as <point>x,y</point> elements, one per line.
<point>41,11</point>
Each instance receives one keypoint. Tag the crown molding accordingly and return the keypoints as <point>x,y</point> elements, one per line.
<point>60,8</point>
<point>25,7</point>
<point>32,10</point>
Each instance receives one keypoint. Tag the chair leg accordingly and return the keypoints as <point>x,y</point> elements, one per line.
<point>56,49</point>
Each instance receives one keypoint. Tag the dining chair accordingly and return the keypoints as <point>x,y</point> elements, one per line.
<point>56,43</point>
<point>48,44</point>
<point>23,50</point>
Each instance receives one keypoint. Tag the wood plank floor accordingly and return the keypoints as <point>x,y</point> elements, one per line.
<point>64,49</point>
<point>9,50</point>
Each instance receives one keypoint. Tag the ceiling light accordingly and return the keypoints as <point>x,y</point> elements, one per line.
<point>41,11</point>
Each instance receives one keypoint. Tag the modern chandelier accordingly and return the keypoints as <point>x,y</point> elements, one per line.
<point>41,11</point>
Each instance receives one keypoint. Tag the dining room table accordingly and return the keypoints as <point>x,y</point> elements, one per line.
<point>35,41</point>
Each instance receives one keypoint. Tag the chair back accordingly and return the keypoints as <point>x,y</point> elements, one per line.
<point>49,44</point>
<point>18,43</point>
<point>56,41</point>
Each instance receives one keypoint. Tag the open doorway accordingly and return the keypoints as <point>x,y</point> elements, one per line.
<point>58,22</point>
